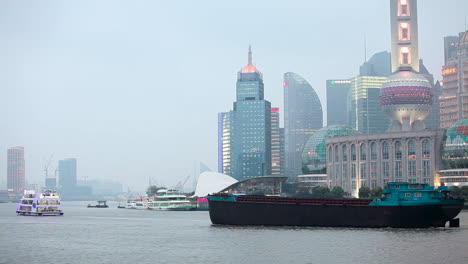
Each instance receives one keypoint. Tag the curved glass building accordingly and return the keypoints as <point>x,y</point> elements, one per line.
<point>314,155</point>
<point>303,116</point>
<point>455,148</point>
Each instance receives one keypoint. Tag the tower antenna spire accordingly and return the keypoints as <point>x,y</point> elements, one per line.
<point>250,55</point>
<point>365,49</point>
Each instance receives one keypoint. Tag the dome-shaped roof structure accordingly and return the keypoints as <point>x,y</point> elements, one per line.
<point>314,155</point>
<point>249,68</point>
<point>406,98</point>
<point>455,148</point>
<point>212,182</point>
<point>463,39</point>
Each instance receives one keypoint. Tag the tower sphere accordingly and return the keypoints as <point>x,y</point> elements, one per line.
<point>406,98</point>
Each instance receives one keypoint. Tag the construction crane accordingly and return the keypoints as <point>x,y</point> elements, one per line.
<point>46,167</point>
<point>180,185</point>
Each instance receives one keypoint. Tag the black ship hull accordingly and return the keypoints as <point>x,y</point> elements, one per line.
<point>332,215</point>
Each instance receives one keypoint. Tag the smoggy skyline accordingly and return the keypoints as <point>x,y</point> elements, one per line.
<point>132,89</point>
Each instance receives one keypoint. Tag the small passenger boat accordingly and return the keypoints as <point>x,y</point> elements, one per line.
<point>42,203</point>
<point>100,204</point>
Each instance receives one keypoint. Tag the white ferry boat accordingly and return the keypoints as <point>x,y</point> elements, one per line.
<point>42,203</point>
<point>171,200</point>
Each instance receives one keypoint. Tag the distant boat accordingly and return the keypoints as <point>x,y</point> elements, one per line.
<point>45,203</point>
<point>100,204</point>
<point>171,200</point>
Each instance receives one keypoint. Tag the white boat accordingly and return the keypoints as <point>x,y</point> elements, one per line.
<point>171,200</point>
<point>141,203</point>
<point>42,203</point>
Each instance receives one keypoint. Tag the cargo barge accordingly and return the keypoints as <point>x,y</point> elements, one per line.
<point>403,205</point>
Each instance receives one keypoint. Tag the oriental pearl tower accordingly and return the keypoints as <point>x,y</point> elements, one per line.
<point>406,96</point>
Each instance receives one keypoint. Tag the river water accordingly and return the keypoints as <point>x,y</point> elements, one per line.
<point>111,235</point>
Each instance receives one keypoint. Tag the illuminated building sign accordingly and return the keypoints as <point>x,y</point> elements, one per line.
<point>449,71</point>
<point>275,109</point>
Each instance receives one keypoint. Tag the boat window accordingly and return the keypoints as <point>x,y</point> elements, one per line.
<point>389,196</point>
<point>418,194</point>
<point>397,186</point>
<point>408,194</point>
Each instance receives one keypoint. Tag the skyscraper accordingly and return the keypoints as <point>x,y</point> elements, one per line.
<point>275,142</point>
<point>250,142</point>
<point>224,142</point>
<point>363,105</point>
<point>15,169</point>
<point>337,94</point>
<point>454,80</point>
<point>67,174</point>
<point>433,119</point>
<point>302,116</point>
<point>378,65</point>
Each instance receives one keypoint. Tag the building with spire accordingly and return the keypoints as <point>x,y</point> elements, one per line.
<point>406,152</point>
<point>302,117</point>
<point>250,126</point>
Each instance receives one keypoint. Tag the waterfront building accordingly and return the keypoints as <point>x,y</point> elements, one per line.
<point>302,117</point>
<point>454,97</point>
<point>378,65</point>
<point>455,155</point>
<point>374,159</point>
<point>250,131</point>
<point>67,174</point>
<point>275,143</point>
<point>15,169</point>
<point>337,94</point>
<point>363,106</point>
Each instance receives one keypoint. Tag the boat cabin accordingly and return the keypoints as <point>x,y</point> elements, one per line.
<point>398,193</point>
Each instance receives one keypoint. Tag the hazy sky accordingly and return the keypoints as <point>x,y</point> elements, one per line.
<point>132,88</point>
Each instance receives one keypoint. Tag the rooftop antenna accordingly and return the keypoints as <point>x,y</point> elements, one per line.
<point>365,49</point>
<point>250,55</point>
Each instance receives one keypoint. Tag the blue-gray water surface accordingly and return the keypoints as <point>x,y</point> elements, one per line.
<point>92,235</point>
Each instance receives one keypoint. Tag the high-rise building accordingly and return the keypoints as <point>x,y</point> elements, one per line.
<point>433,119</point>
<point>450,48</point>
<point>378,65</point>
<point>275,142</point>
<point>454,97</point>
<point>282,155</point>
<point>337,94</point>
<point>223,141</point>
<point>250,136</point>
<point>15,169</point>
<point>225,138</point>
<point>406,96</point>
<point>363,105</point>
<point>67,174</point>
<point>302,117</point>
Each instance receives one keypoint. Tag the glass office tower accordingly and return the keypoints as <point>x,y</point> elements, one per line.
<point>302,117</point>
